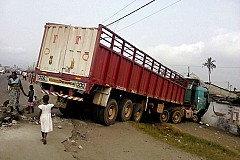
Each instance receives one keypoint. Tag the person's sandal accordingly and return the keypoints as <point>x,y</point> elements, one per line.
<point>44,141</point>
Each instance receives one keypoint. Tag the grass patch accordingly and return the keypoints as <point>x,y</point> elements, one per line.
<point>189,143</point>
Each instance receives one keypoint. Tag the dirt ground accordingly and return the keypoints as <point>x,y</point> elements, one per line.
<point>22,142</point>
<point>221,137</point>
<point>118,142</point>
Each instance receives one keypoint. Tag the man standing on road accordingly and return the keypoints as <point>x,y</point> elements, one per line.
<point>14,93</point>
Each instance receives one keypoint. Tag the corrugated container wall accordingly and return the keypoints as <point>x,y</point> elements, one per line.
<point>67,49</point>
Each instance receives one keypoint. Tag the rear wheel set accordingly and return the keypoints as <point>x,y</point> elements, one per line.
<point>176,116</point>
<point>164,116</point>
<point>107,115</point>
<point>196,118</point>
<point>137,112</point>
<point>125,109</point>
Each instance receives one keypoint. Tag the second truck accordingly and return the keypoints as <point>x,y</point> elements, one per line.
<point>98,67</point>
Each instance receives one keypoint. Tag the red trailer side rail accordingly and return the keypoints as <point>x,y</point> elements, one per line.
<point>119,64</point>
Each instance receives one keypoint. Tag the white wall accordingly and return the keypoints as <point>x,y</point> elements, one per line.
<point>226,117</point>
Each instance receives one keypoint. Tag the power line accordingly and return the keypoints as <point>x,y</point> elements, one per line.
<point>118,11</point>
<point>131,13</point>
<point>151,14</point>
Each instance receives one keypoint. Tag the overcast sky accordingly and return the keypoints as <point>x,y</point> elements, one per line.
<point>182,35</point>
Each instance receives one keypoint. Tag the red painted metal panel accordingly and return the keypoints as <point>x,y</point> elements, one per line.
<point>112,70</point>
<point>159,86</point>
<point>169,92</point>
<point>124,73</point>
<point>178,94</point>
<point>182,95</point>
<point>152,85</point>
<point>174,94</point>
<point>135,78</point>
<point>100,65</point>
<point>144,82</point>
<point>164,90</point>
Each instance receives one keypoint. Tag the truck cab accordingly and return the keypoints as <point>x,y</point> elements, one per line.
<point>197,97</point>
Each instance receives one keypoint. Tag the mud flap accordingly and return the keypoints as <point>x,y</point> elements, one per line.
<point>101,96</point>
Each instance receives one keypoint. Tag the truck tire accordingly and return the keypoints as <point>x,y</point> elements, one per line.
<point>125,109</point>
<point>176,117</point>
<point>65,111</point>
<point>164,117</point>
<point>71,110</point>
<point>137,112</point>
<point>195,118</point>
<point>96,115</point>
<point>108,114</point>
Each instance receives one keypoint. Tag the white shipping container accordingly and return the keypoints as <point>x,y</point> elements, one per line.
<point>67,49</point>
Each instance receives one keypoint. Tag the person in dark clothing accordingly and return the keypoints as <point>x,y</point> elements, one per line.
<point>31,98</point>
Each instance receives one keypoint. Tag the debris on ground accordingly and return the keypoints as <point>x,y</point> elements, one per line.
<point>80,147</point>
<point>201,123</point>
<point>23,117</point>
<point>14,122</point>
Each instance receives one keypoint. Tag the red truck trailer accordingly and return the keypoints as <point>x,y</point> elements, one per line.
<point>95,65</point>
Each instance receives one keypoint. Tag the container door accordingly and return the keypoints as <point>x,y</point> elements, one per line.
<point>54,46</point>
<point>79,51</point>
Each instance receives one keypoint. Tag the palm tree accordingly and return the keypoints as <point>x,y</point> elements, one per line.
<point>210,65</point>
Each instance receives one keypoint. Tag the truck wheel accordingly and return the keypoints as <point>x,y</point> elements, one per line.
<point>195,118</point>
<point>96,111</point>
<point>137,112</point>
<point>164,117</point>
<point>108,114</point>
<point>125,109</point>
<point>176,117</point>
<point>71,109</point>
<point>65,111</point>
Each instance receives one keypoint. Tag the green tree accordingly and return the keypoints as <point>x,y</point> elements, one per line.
<point>210,65</point>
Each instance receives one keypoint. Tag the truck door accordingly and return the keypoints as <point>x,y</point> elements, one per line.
<point>54,46</point>
<point>79,51</point>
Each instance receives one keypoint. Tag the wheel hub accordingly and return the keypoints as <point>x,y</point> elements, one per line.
<point>111,112</point>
